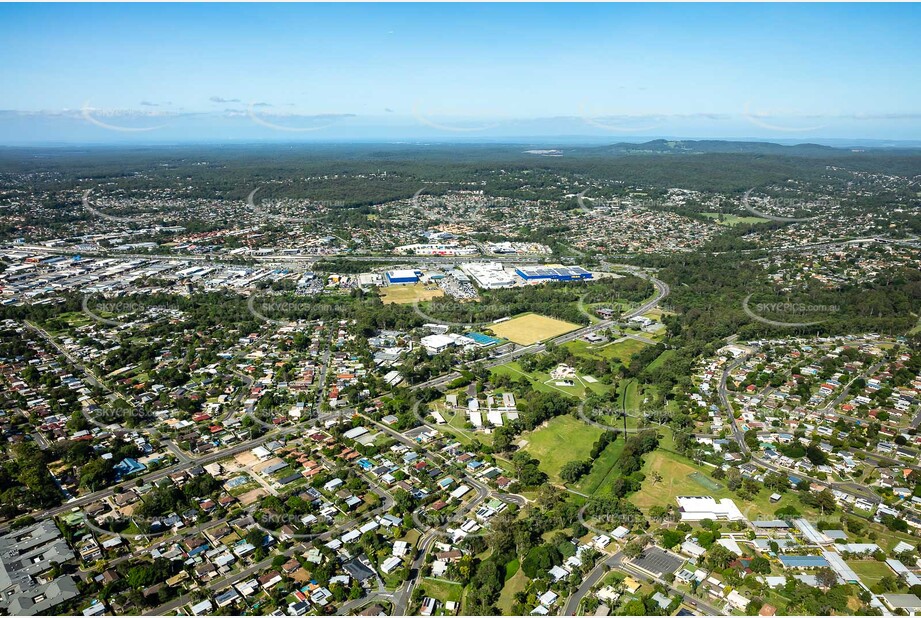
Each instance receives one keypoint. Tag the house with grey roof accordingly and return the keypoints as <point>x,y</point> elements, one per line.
<point>25,555</point>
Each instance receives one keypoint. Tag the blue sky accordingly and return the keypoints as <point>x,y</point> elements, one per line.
<point>386,71</point>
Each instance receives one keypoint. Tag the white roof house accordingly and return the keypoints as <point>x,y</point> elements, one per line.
<point>696,508</point>
<point>390,564</point>
<point>693,549</point>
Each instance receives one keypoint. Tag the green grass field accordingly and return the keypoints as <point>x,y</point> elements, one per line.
<point>620,351</point>
<point>442,589</point>
<point>661,360</point>
<point>705,481</point>
<point>530,328</point>
<point>603,471</point>
<point>676,472</point>
<point>870,571</point>
<point>511,567</point>
<point>408,294</point>
<point>541,381</point>
<point>517,583</point>
<point>731,220</point>
<point>560,441</point>
<point>676,481</point>
<point>623,350</point>
<point>631,395</point>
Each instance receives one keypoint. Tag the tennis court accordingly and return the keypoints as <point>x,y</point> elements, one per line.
<point>705,482</point>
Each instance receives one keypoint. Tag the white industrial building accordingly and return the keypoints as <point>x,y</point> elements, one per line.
<point>491,275</point>
<point>435,344</point>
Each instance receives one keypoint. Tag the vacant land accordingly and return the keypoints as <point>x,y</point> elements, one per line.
<point>442,589</point>
<point>408,294</point>
<point>870,571</point>
<point>531,327</point>
<point>620,351</point>
<point>677,480</point>
<point>542,381</point>
<point>559,441</point>
<point>604,470</point>
<point>730,220</point>
<point>623,350</point>
<point>516,583</point>
<point>661,360</point>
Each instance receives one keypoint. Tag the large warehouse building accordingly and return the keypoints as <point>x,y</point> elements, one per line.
<point>553,273</point>
<point>490,275</point>
<point>402,276</point>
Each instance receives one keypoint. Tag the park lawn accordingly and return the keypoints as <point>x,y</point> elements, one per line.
<point>675,471</point>
<point>442,589</point>
<point>603,472</point>
<point>870,571</point>
<point>517,583</point>
<point>410,293</point>
<point>916,329</point>
<point>531,327</point>
<point>661,360</point>
<point>542,382</point>
<point>76,319</point>
<point>623,350</point>
<point>620,351</point>
<point>456,419</point>
<point>886,538</point>
<point>731,220</point>
<point>676,481</point>
<point>631,395</point>
<point>559,441</point>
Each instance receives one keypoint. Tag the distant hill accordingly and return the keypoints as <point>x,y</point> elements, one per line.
<point>684,147</point>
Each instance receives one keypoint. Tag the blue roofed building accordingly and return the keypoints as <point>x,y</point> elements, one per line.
<point>128,466</point>
<point>481,339</point>
<point>803,562</point>
<point>553,273</point>
<point>402,276</point>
